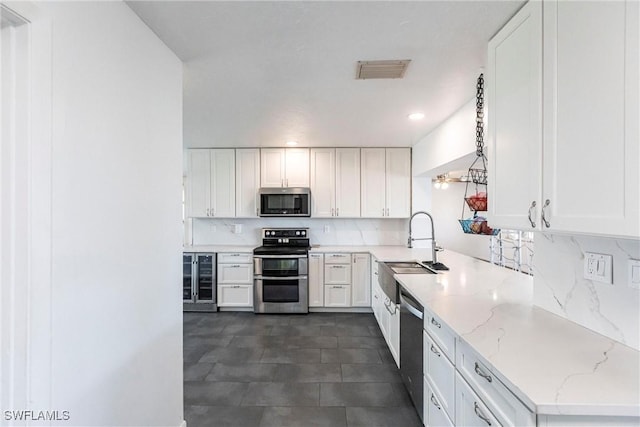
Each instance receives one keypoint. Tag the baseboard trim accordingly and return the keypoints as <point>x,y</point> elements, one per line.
<point>340,310</point>
<point>183,423</point>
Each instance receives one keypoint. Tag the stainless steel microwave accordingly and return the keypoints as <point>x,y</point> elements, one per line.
<point>293,201</point>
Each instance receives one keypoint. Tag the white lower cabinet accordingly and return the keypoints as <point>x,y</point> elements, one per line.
<point>360,281</point>
<point>235,295</point>
<point>434,413</point>
<point>441,374</point>
<point>235,280</point>
<point>394,331</point>
<point>316,280</point>
<point>470,409</point>
<point>337,295</point>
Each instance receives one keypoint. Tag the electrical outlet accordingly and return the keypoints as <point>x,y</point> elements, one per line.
<point>237,228</point>
<point>598,267</point>
<point>634,273</point>
<point>326,228</point>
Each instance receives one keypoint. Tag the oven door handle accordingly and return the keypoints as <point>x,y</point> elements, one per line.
<point>280,278</point>
<point>280,256</point>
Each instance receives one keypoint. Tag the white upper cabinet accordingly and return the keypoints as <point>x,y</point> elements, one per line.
<point>284,167</point>
<point>591,117</point>
<point>575,154</point>
<point>323,183</point>
<point>335,182</point>
<point>247,181</point>
<point>211,183</point>
<point>514,102</point>
<point>386,182</point>
<point>347,182</point>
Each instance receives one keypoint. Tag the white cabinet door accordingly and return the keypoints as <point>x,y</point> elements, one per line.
<point>296,167</point>
<point>337,274</point>
<point>398,182</point>
<point>247,181</point>
<point>360,281</point>
<point>316,280</point>
<point>347,182</point>
<point>591,131</point>
<point>337,295</point>
<point>235,273</point>
<point>323,183</point>
<point>514,98</point>
<point>434,414</point>
<point>223,183</point>
<point>372,196</point>
<point>199,183</point>
<point>394,332</point>
<point>272,167</point>
<point>470,410</point>
<point>441,375</point>
<point>235,295</point>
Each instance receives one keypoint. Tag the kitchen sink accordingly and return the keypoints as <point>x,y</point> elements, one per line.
<point>409,268</point>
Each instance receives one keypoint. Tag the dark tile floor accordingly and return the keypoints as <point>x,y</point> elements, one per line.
<point>320,369</point>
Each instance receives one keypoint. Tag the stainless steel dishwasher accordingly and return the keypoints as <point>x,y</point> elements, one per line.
<point>411,324</point>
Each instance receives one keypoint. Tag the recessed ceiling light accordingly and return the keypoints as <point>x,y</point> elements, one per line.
<point>416,116</point>
<point>292,143</point>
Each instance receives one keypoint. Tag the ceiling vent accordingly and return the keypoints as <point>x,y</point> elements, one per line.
<point>388,69</point>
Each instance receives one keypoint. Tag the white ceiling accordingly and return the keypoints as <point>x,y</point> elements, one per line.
<point>262,73</point>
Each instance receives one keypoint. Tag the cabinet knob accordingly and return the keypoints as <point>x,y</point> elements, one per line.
<point>544,217</point>
<point>531,208</point>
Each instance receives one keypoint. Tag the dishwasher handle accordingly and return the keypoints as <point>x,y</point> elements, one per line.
<point>407,302</point>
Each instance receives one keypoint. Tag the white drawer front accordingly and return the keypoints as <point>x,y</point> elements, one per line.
<point>470,410</point>
<point>337,258</point>
<point>441,374</point>
<point>440,333</point>
<point>500,400</point>
<point>434,414</point>
<point>337,296</point>
<point>235,258</point>
<point>235,296</point>
<point>337,274</point>
<point>235,273</point>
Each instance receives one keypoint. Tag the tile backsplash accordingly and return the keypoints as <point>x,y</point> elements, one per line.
<point>348,232</point>
<point>559,286</point>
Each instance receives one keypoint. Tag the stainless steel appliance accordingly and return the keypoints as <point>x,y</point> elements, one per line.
<point>280,271</point>
<point>199,282</point>
<point>294,201</point>
<point>387,269</point>
<point>411,348</point>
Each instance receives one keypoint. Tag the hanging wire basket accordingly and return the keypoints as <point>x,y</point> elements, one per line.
<point>477,177</point>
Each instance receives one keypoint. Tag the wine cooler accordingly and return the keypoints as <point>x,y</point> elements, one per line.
<point>199,282</point>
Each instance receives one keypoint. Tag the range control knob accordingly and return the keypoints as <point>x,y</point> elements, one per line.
<point>304,233</point>
<point>297,233</point>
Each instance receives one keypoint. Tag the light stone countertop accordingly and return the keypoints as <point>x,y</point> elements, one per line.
<point>553,365</point>
<point>218,248</point>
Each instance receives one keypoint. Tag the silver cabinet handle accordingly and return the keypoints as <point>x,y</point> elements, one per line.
<point>382,211</point>
<point>332,213</point>
<point>207,211</point>
<point>532,207</point>
<point>482,374</point>
<point>235,266</point>
<point>257,211</point>
<point>337,211</point>
<point>435,350</point>
<point>235,286</point>
<point>544,217</point>
<point>476,409</point>
<point>435,322</point>
<point>434,401</point>
<point>387,211</point>
<point>375,296</point>
<point>387,304</point>
<point>336,287</point>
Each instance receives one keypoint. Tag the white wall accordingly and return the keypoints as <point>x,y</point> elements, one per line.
<point>451,140</point>
<point>446,211</point>
<point>116,321</point>
<point>559,286</point>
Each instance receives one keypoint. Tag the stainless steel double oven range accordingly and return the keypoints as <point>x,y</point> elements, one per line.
<point>280,283</point>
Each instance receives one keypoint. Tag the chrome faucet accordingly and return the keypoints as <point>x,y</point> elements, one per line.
<point>434,245</point>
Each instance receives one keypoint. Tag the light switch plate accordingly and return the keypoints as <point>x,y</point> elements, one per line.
<point>598,267</point>
<point>634,273</point>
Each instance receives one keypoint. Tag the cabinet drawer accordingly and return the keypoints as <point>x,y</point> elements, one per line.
<point>235,258</point>
<point>440,333</point>
<point>235,296</point>
<point>337,258</point>
<point>470,409</point>
<point>441,374</point>
<point>500,400</point>
<point>235,273</point>
<point>434,414</point>
<point>337,274</point>
<point>337,296</point>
